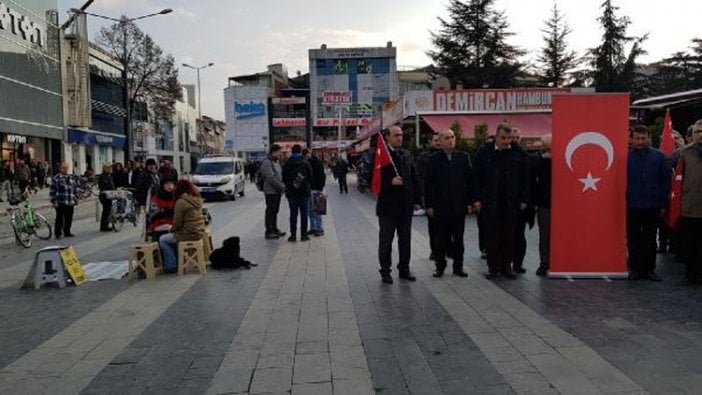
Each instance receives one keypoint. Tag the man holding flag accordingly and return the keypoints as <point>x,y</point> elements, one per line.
<point>395,183</point>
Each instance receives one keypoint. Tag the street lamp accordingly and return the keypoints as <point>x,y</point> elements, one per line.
<point>129,151</point>
<point>199,108</point>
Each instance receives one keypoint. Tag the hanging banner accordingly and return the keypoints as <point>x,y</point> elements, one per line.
<point>588,208</point>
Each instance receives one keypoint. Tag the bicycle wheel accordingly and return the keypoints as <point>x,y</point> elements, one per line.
<point>115,217</point>
<point>42,228</point>
<point>21,235</point>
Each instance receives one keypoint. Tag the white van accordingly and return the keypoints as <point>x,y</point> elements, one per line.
<point>220,177</point>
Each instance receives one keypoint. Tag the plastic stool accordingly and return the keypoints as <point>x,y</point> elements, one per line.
<point>208,244</point>
<point>146,257</point>
<point>191,253</point>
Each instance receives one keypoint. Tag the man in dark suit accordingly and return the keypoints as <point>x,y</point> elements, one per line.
<point>398,198</point>
<point>421,164</point>
<point>448,200</point>
<point>501,189</point>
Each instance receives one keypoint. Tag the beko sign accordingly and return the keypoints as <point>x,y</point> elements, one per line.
<point>249,109</point>
<point>20,25</point>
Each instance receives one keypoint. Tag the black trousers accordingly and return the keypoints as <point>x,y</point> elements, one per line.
<point>431,224</point>
<point>106,210</point>
<point>520,243</point>
<point>499,233</point>
<point>64,220</point>
<point>689,231</point>
<point>298,205</point>
<point>449,238</point>
<point>544,218</point>
<point>401,225</point>
<point>343,188</point>
<point>482,237</point>
<point>272,208</point>
<point>641,227</point>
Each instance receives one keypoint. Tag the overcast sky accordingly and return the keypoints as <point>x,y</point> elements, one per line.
<point>243,36</point>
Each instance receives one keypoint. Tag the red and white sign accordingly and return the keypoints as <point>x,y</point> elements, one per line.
<point>502,100</point>
<point>344,121</point>
<point>336,97</point>
<point>288,122</point>
<point>588,207</point>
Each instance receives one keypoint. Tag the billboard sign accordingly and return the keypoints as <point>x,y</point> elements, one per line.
<point>498,100</point>
<point>288,122</point>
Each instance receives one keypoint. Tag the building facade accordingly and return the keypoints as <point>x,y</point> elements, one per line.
<point>348,87</point>
<point>31,103</point>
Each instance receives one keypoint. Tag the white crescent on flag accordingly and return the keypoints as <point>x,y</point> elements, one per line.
<point>589,138</point>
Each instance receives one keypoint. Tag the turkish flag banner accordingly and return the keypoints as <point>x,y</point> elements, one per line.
<point>588,201</point>
<point>382,158</point>
<point>672,215</point>
<point>667,144</point>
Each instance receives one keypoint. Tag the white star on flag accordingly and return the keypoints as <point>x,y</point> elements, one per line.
<point>590,182</point>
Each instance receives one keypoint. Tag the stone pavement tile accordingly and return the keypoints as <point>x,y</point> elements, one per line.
<point>353,387</point>
<point>590,363</point>
<point>387,376</point>
<point>564,376</point>
<point>313,347</point>
<point>274,380</point>
<point>312,389</point>
<point>275,360</point>
<point>312,368</point>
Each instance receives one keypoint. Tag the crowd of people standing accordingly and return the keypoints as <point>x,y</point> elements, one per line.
<point>21,176</point>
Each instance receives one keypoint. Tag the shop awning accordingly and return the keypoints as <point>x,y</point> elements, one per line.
<point>529,125</point>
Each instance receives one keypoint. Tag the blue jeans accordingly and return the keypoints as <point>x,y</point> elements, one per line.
<point>298,205</point>
<point>315,219</point>
<point>169,245</point>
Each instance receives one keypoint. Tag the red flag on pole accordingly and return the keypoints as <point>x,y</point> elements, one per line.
<point>673,212</point>
<point>588,208</point>
<point>667,144</point>
<point>382,158</point>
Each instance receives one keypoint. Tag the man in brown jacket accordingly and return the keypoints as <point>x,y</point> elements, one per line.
<point>691,207</point>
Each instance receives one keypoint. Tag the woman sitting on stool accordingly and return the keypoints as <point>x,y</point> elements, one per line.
<point>160,211</point>
<point>188,223</point>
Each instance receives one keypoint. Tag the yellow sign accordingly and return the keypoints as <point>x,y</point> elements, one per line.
<point>72,265</point>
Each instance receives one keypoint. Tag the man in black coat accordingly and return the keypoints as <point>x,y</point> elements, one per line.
<point>422,165</point>
<point>340,171</point>
<point>501,190</point>
<point>105,183</point>
<point>541,199</point>
<point>448,200</point>
<point>526,216</point>
<point>398,198</point>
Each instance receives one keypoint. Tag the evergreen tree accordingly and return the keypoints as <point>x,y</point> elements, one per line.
<point>555,59</point>
<point>682,71</point>
<point>472,46</point>
<point>614,69</point>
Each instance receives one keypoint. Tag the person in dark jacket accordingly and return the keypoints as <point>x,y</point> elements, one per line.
<point>501,190</point>
<point>6,180</point>
<point>148,182</point>
<point>448,199</point>
<point>526,216</point>
<point>422,164</point>
<point>105,183</point>
<point>399,196</point>
<point>541,199</point>
<point>317,184</point>
<point>647,188</point>
<point>120,176</point>
<point>341,169</point>
<point>297,174</point>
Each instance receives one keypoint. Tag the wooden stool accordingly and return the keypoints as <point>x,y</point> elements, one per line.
<point>208,244</point>
<point>191,253</point>
<point>147,258</point>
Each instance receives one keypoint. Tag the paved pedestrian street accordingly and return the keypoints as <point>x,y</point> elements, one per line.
<point>314,318</point>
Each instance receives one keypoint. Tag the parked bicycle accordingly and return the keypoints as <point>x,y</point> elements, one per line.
<point>26,222</point>
<point>124,208</point>
<point>85,187</point>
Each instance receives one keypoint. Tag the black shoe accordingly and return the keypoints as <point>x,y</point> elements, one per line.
<point>386,278</point>
<point>509,275</point>
<point>292,239</point>
<point>519,270</point>
<point>70,235</point>
<point>653,276</point>
<point>438,273</point>
<point>460,274</point>
<point>271,236</point>
<point>319,233</point>
<point>305,238</point>
<point>279,233</point>
<point>408,276</point>
<point>633,276</point>
<point>542,271</point>
<point>491,276</point>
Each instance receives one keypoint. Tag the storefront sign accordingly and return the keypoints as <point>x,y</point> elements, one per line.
<point>19,25</point>
<point>336,97</point>
<point>249,109</point>
<point>76,136</point>
<point>503,100</point>
<point>288,122</point>
<point>344,121</point>
<point>288,100</point>
<point>15,139</point>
